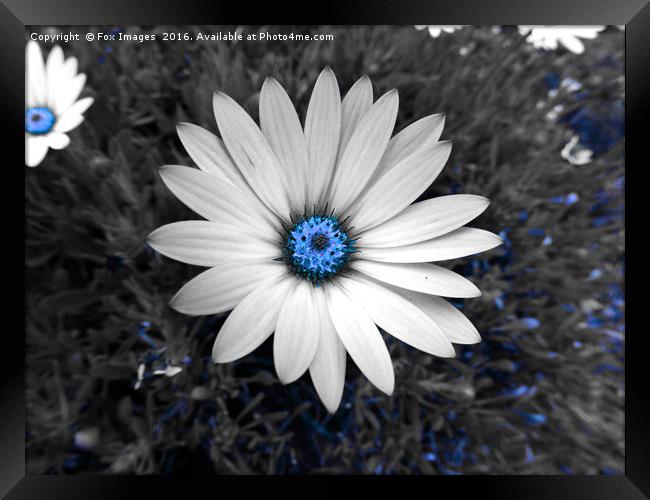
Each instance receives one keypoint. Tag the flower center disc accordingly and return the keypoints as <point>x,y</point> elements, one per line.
<point>39,120</point>
<point>318,248</point>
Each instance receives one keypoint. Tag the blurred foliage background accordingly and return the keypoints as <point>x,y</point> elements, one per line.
<point>542,394</point>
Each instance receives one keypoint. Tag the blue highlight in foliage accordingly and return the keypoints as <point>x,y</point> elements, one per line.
<point>552,80</point>
<point>599,128</point>
<point>568,199</point>
<point>530,323</point>
<point>595,274</point>
<point>143,333</point>
<point>530,456</point>
<point>533,419</point>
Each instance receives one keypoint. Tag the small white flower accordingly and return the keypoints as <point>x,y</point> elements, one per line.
<point>575,154</point>
<point>435,30</point>
<point>312,234</point>
<point>554,113</point>
<point>169,371</point>
<point>51,107</point>
<point>86,439</point>
<point>548,37</point>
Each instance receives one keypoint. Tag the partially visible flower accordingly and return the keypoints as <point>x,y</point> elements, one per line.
<point>51,107</point>
<point>435,30</point>
<point>575,154</point>
<point>548,37</point>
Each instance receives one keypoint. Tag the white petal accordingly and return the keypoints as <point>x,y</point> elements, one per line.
<point>35,77</point>
<point>281,127</point>
<point>209,153</point>
<point>215,199</point>
<point>297,332</point>
<point>73,117</point>
<point>54,75</point>
<point>399,186</point>
<point>459,243</point>
<point>70,67</point>
<point>451,321</point>
<point>548,43</point>
<point>222,287</point>
<point>362,154</point>
<point>590,32</point>
<point>57,140</point>
<point>356,104</point>
<point>205,243</point>
<point>251,322</point>
<point>64,96</point>
<point>35,150</point>
<point>361,339</point>
<point>68,122</point>
<point>572,43</point>
<point>425,220</point>
<point>252,154</point>
<point>322,133</point>
<point>425,278</point>
<point>399,317</point>
<point>418,135</point>
<point>169,371</point>
<point>327,370</point>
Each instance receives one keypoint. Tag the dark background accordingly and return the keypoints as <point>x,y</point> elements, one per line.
<point>543,394</point>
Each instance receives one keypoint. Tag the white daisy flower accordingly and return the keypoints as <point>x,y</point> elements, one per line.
<point>435,31</point>
<point>575,153</point>
<point>311,233</point>
<point>51,107</point>
<point>548,37</point>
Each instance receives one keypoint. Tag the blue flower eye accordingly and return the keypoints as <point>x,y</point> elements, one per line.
<point>39,120</point>
<point>317,247</point>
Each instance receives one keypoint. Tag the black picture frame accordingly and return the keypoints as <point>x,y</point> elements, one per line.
<point>634,14</point>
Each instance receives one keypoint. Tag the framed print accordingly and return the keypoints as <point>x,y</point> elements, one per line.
<point>390,244</point>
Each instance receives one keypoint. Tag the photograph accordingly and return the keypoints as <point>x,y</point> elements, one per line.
<point>363,250</point>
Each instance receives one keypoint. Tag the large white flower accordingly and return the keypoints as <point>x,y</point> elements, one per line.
<point>311,233</point>
<point>51,107</point>
<point>436,30</point>
<point>548,37</point>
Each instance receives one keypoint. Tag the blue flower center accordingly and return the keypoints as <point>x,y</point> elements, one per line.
<point>317,247</point>
<point>39,120</point>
